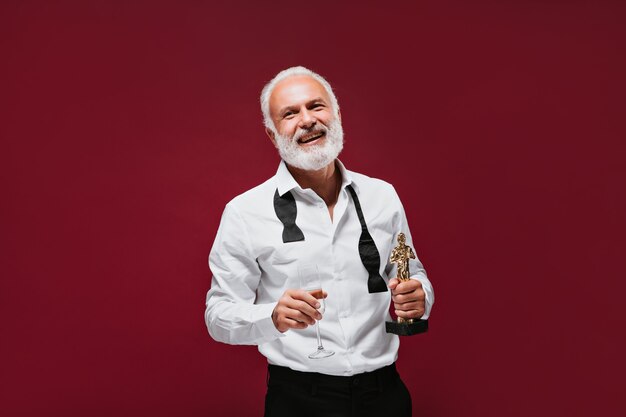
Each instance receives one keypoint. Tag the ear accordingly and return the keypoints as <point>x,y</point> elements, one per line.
<point>270,135</point>
<point>339,114</point>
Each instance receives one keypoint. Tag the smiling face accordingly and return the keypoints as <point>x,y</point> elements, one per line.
<point>307,132</point>
<point>299,102</point>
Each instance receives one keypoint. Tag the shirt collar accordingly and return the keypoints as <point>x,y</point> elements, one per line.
<point>284,179</point>
<point>286,182</point>
<point>346,176</point>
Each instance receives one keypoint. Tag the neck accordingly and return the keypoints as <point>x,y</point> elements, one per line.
<point>325,182</point>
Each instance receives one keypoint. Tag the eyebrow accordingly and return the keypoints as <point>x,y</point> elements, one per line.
<point>308,103</point>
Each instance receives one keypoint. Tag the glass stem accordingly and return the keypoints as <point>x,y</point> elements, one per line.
<point>319,338</point>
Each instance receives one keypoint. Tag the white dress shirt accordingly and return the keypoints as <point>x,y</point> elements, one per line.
<point>252,268</point>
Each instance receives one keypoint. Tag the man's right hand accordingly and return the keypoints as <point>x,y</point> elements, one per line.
<point>296,309</point>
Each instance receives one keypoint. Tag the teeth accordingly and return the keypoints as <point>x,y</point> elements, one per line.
<point>311,138</point>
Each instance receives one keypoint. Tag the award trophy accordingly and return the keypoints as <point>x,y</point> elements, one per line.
<point>400,255</point>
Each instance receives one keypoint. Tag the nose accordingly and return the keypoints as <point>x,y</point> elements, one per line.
<point>307,120</point>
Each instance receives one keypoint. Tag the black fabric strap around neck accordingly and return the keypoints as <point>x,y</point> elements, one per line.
<point>286,211</point>
<point>368,251</point>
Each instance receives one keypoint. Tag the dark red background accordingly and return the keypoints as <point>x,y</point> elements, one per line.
<point>127,126</point>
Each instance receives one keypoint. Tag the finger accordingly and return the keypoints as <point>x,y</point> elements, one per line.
<point>290,303</point>
<point>417,295</point>
<point>293,324</point>
<point>283,322</point>
<point>407,286</point>
<point>305,309</point>
<point>393,282</point>
<point>307,297</point>
<point>298,315</point>
<point>304,312</point>
<point>411,314</point>
<point>416,305</point>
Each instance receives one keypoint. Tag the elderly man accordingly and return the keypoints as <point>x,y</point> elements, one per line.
<point>315,212</point>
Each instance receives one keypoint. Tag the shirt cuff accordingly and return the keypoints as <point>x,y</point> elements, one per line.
<point>265,324</point>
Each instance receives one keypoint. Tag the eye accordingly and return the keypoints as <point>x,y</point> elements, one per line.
<point>288,115</point>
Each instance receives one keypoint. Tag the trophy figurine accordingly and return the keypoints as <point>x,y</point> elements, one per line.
<point>400,255</point>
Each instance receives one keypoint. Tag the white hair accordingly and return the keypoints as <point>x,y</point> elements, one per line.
<point>292,72</point>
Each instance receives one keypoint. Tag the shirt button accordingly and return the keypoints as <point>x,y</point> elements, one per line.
<point>355,381</point>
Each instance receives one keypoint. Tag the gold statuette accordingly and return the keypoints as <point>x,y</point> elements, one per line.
<point>400,255</point>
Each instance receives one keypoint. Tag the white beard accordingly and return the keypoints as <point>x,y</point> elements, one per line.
<point>311,158</point>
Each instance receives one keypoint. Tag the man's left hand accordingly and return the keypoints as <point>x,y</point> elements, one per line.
<point>408,298</point>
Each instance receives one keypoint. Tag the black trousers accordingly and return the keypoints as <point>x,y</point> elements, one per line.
<point>305,394</point>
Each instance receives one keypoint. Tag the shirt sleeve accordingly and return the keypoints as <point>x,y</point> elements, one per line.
<point>416,268</point>
<point>231,314</point>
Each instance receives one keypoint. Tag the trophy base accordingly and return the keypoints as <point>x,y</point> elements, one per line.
<point>407,329</point>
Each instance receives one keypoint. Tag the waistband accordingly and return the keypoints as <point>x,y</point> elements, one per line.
<point>377,378</point>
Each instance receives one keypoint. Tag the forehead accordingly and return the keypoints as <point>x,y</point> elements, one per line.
<point>296,90</point>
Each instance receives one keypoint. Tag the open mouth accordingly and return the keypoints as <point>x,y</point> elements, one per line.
<point>312,137</point>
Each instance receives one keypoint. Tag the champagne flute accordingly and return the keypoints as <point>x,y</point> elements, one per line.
<point>310,281</point>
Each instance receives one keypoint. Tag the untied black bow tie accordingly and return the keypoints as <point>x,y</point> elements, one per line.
<point>286,211</point>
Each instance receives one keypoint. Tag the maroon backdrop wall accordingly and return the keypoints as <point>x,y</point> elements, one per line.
<point>128,125</point>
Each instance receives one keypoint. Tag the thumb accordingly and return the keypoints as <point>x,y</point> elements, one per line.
<point>393,283</point>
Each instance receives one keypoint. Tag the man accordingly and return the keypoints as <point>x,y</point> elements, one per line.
<point>315,212</point>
